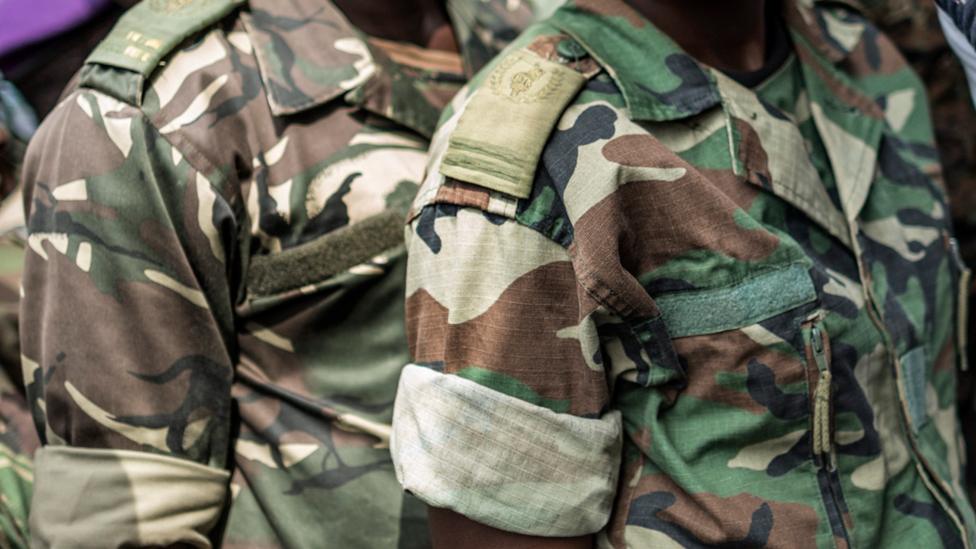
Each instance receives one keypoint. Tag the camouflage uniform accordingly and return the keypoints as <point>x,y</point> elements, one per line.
<point>694,314</point>
<point>913,26</point>
<point>213,287</point>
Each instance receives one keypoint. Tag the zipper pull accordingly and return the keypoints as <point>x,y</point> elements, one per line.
<point>962,304</point>
<point>822,440</point>
<point>821,415</point>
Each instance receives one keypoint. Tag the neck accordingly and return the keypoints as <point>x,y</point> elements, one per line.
<point>420,22</point>
<point>722,34</point>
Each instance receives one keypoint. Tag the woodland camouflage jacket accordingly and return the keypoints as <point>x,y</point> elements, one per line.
<point>692,315</point>
<point>212,318</point>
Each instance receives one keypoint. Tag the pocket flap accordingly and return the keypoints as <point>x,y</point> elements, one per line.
<point>326,256</point>
<point>702,312</point>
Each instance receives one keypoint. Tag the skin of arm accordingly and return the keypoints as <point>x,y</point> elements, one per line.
<point>452,530</point>
<point>421,22</point>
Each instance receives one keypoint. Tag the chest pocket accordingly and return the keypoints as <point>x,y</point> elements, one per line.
<point>752,407</point>
<point>722,341</point>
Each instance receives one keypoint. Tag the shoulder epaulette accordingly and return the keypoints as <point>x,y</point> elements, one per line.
<point>506,123</point>
<point>142,38</point>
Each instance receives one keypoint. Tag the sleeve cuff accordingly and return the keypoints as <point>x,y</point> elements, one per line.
<point>501,461</point>
<point>115,498</point>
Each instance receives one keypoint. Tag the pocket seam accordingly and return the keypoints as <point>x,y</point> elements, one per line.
<point>326,256</point>
<point>791,287</point>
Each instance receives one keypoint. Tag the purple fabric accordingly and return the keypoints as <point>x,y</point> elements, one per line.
<point>24,22</point>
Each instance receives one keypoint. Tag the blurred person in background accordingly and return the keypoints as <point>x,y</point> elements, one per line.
<point>212,317</point>
<point>931,34</point>
<point>43,43</point>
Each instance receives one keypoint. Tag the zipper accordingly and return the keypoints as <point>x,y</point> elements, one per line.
<point>822,420</point>
<point>962,280</point>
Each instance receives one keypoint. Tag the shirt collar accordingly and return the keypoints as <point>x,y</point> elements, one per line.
<point>660,81</point>
<point>308,54</point>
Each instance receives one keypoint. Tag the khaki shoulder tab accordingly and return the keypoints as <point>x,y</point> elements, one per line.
<point>506,123</point>
<point>153,28</point>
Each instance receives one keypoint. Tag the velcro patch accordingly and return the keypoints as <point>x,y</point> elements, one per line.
<point>152,28</point>
<point>501,133</point>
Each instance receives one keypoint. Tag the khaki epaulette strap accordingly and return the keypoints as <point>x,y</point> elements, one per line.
<point>153,28</point>
<point>501,134</point>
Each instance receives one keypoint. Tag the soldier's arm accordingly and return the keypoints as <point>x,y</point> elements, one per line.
<point>127,323</point>
<point>505,417</point>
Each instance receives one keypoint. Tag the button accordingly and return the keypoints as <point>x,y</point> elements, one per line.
<point>570,50</point>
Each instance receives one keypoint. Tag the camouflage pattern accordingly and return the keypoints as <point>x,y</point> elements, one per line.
<point>720,316</point>
<point>214,284</point>
<point>913,26</point>
<point>485,28</point>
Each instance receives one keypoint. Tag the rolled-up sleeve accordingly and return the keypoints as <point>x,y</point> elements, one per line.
<point>504,417</point>
<point>117,498</point>
<point>126,324</point>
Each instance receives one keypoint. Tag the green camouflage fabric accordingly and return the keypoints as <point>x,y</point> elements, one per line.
<point>913,26</point>
<point>213,290</point>
<point>485,28</point>
<point>713,316</point>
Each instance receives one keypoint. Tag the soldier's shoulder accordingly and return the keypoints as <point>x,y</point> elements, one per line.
<point>495,132</point>
<point>144,40</point>
<point>849,35</point>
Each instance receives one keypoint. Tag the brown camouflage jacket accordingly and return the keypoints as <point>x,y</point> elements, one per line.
<point>213,292</point>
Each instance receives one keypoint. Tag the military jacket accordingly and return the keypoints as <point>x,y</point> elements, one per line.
<point>651,304</point>
<point>212,317</point>
<point>914,26</point>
